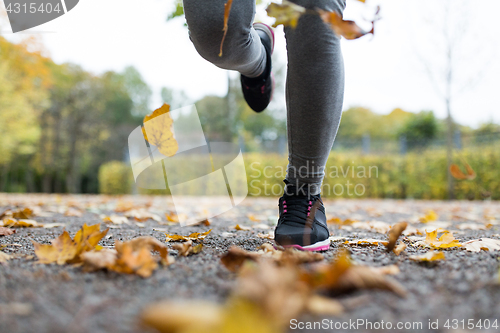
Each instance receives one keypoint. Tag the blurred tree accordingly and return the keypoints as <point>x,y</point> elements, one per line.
<point>175,98</point>
<point>420,129</point>
<point>138,90</point>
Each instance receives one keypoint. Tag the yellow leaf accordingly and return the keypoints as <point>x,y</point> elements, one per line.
<point>430,216</point>
<point>195,236</point>
<point>429,256</point>
<point>445,241</point>
<point>187,248</point>
<point>62,250</point>
<point>158,131</point>
<point>286,13</point>
<point>129,261</point>
<point>243,228</point>
<point>367,242</point>
<point>227,11</point>
<point>11,222</point>
<point>25,213</point>
<point>66,250</point>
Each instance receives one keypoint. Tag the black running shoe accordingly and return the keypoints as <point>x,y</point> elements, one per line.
<point>302,223</point>
<point>258,91</point>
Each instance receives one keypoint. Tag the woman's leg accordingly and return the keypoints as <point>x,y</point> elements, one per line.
<point>242,49</point>
<point>314,94</point>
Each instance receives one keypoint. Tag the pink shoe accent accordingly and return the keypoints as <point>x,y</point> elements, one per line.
<point>314,248</point>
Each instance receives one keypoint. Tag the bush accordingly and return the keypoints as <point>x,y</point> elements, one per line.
<point>115,177</point>
<point>421,175</point>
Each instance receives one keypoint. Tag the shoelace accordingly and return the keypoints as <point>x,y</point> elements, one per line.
<point>298,206</point>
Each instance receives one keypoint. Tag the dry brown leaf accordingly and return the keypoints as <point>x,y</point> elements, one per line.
<point>187,248</point>
<point>12,222</point>
<point>347,29</point>
<point>234,258</point>
<point>275,289</point>
<point>323,306</point>
<point>445,241</point>
<point>341,276</point>
<point>182,316</point>
<point>6,231</point>
<point>195,236</point>
<point>4,257</point>
<point>400,248</point>
<point>66,250</point>
<point>394,234</point>
<point>242,227</point>
<point>458,174</point>
<point>429,256</point>
<point>485,244</point>
<point>387,270</point>
<point>22,214</point>
<point>377,226</point>
<point>95,260</point>
<point>115,219</point>
<point>269,235</point>
<point>128,261</point>
<point>367,242</point>
<point>158,131</point>
<point>363,277</point>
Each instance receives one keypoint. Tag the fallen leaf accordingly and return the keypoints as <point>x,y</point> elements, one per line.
<point>53,225</point>
<point>485,244</point>
<point>429,216</point>
<point>187,248</point>
<point>12,222</point>
<point>66,250</point>
<point>339,221</point>
<point>4,257</point>
<point>95,260</point>
<point>234,258</point>
<point>400,248</point>
<point>158,131</point>
<point>243,228</point>
<point>473,226</point>
<point>195,236</point>
<point>367,242</point>
<point>22,214</point>
<point>115,219</point>
<point>6,231</point>
<point>128,261</point>
<point>377,226</point>
<point>394,234</point>
<point>387,270</point>
<point>429,256</point>
<point>269,235</point>
<point>445,241</point>
<point>181,316</point>
<point>323,306</point>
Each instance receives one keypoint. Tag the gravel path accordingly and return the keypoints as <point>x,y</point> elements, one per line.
<point>51,298</point>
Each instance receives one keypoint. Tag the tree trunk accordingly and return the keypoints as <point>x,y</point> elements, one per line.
<point>449,151</point>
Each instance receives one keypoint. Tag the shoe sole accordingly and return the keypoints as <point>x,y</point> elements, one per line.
<point>268,30</point>
<point>319,246</point>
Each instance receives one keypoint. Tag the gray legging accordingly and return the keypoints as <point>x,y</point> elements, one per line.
<point>315,76</point>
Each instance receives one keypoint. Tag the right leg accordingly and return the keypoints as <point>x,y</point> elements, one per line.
<point>242,49</point>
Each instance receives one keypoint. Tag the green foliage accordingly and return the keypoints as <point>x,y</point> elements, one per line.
<point>419,175</point>
<point>358,121</point>
<point>178,11</point>
<point>115,177</point>
<point>420,129</point>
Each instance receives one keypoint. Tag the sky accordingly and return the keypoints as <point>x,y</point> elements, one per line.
<point>385,71</point>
